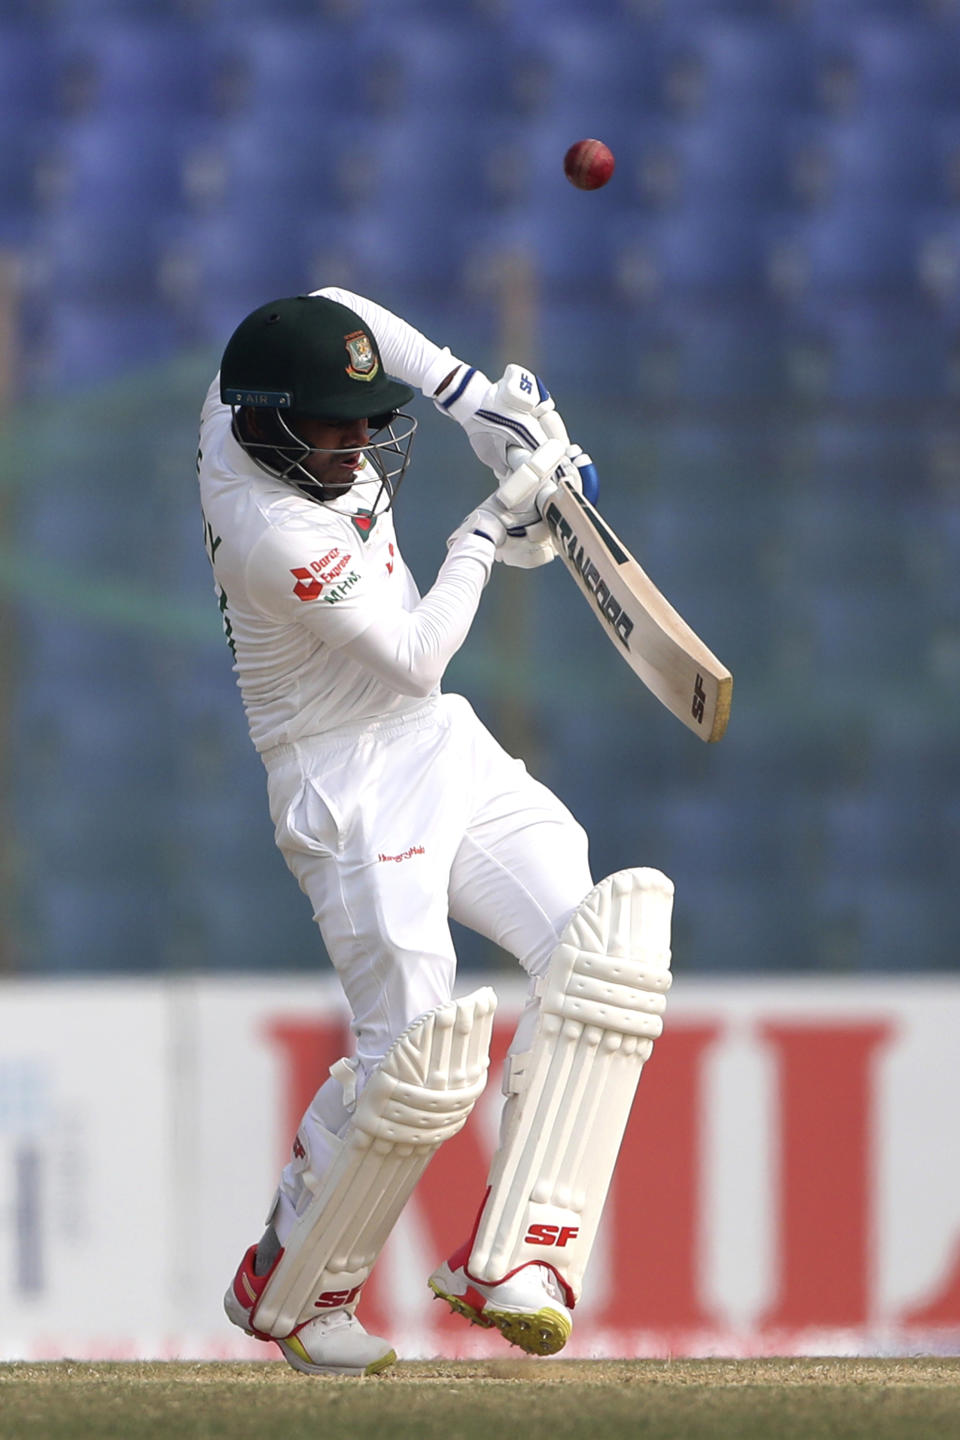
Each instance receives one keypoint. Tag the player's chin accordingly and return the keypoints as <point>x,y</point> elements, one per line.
<point>332,489</point>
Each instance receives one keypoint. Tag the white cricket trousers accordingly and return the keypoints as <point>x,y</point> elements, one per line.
<point>391,828</point>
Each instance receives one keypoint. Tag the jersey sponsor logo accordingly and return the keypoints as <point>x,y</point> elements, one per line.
<point>363,360</point>
<point>308,587</point>
<point>404,854</point>
<point>390,561</point>
<point>557,1235</point>
<point>337,592</point>
<point>312,581</point>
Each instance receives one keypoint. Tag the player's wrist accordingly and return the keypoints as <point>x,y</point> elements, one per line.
<point>463,394</point>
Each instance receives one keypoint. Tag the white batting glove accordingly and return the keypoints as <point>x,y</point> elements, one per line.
<point>523,496</point>
<point>517,410</point>
<point>487,521</point>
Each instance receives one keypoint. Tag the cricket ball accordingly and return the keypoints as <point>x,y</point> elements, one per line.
<point>588,164</point>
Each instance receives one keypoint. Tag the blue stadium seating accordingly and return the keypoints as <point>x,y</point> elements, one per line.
<point>849,250</point>
<point>20,154</point>
<point>782,226</point>
<point>28,74</point>
<point>309,68</point>
<point>695,250</point>
<point>225,264</point>
<point>708,350</point>
<point>872,351</point>
<point>727,159</point>
<point>725,63</point>
<point>109,255</point>
<point>95,924</point>
<point>875,157</point>
<point>438,64</point>
<point>887,62</point>
<point>87,341</point>
<point>883,835</point>
<point>586,77</point>
<point>134,170</point>
<point>128,62</point>
<point>938,261</point>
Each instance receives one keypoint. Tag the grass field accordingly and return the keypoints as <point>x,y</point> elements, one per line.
<point>487,1400</point>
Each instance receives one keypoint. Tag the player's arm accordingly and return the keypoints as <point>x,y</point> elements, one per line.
<point>325,588</point>
<point>410,649</point>
<point>514,412</point>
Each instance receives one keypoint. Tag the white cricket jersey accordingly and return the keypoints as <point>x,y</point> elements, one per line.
<point>296,581</point>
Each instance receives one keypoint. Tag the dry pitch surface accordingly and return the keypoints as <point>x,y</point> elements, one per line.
<point>487,1400</point>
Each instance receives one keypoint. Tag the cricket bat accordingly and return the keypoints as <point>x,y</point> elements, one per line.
<point>655,641</point>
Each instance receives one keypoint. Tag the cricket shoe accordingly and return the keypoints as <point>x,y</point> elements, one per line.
<point>528,1307</point>
<point>333,1343</point>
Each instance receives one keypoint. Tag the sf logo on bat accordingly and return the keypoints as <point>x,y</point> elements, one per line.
<point>699,700</point>
<point>611,610</point>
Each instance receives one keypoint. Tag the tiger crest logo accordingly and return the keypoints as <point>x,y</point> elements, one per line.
<point>363,361</point>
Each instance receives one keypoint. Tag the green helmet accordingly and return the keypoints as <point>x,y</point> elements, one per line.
<point>311,356</point>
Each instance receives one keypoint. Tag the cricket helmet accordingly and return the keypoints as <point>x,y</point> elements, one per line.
<point>307,355</point>
<point>310,355</point>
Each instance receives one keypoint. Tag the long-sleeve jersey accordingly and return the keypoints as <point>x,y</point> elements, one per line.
<point>324,619</point>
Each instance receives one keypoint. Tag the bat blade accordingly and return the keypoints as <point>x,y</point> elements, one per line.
<point>656,642</point>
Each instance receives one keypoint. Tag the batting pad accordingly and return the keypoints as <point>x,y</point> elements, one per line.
<point>601,1008</point>
<point>420,1095</point>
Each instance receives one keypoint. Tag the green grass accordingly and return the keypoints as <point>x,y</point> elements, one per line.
<point>487,1400</point>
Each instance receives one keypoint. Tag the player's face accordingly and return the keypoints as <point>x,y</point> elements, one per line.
<point>344,440</point>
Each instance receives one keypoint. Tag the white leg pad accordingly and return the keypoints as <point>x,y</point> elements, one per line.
<point>420,1095</point>
<point>601,1008</point>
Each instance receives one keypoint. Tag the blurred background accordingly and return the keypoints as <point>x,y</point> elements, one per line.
<point>753,328</point>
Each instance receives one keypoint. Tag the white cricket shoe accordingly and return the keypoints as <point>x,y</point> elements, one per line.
<point>334,1343</point>
<point>528,1307</point>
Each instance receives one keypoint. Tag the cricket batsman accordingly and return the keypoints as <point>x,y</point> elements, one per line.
<point>396,809</point>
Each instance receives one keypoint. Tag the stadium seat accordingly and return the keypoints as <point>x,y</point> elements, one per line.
<point>901,158</point>
<point>728,63</point>
<point>938,261</point>
<point>707,350</point>
<point>586,77</point>
<point>834,12</point>
<point>906,927</point>
<point>28,74</point>
<point>276,168</point>
<point>156,61</point>
<point>735,159</point>
<point>440,66</point>
<point>21,152</point>
<point>883,835</point>
<point>887,62</point>
<point>89,341</point>
<point>310,68</point>
<point>696,833</point>
<point>217,268</point>
<point>93,165</point>
<point>108,255</point>
<point>93,925</point>
<point>848,250</point>
<point>871,351</point>
<point>698,249</point>
<point>694,10</point>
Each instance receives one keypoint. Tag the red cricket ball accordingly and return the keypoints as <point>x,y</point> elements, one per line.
<point>588,164</point>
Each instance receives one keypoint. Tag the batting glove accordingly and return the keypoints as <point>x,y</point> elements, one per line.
<point>496,417</point>
<point>523,496</point>
<point>487,522</point>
